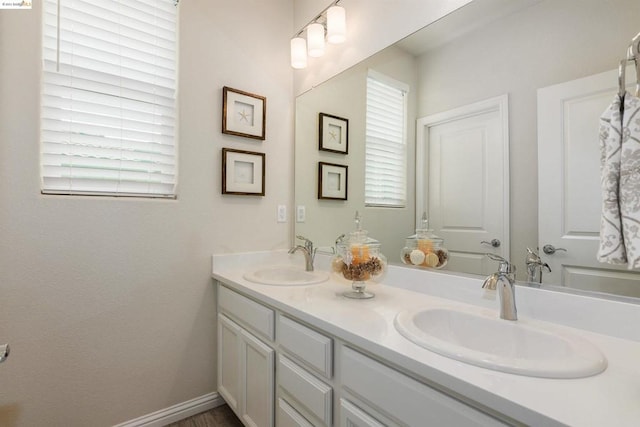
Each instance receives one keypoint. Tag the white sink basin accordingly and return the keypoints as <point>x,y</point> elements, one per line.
<point>286,275</point>
<point>519,347</point>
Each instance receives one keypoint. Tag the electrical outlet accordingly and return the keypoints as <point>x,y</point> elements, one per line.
<point>301,213</point>
<point>282,213</point>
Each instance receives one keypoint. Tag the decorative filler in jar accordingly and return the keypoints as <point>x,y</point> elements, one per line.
<point>424,249</point>
<point>359,260</point>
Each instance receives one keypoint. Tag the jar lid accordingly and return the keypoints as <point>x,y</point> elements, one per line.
<point>424,232</point>
<point>359,236</point>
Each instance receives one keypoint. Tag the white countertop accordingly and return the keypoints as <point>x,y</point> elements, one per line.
<point>611,398</point>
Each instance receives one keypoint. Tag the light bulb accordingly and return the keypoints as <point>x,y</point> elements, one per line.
<point>298,53</point>
<point>336,25</point>
<point>315,40</point>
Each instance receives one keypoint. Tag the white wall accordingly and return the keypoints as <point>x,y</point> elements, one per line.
<point>548,43</point>
<point>108,303</point>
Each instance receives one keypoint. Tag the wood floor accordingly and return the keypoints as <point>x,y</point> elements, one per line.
<point>222,416</point>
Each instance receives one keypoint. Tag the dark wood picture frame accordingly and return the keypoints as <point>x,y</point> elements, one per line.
<point>243,113</point>
<point>333,180</point>
<point>243,172</point>
<point>333,133</point>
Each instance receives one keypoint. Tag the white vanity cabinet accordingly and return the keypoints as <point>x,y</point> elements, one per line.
<point>273,368</point>
<point>246,363</point>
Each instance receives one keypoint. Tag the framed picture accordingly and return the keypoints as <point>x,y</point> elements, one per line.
<point>333,134</point>
<point>332,181</point>
<point>243,113</point>
<point>242,172</point>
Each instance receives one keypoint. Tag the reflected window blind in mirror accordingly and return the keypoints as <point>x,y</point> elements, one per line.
<point>108,98</point>
<point>385,145</point>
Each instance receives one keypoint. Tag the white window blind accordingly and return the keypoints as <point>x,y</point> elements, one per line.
<point>108,98</point>
<point>385,152</point>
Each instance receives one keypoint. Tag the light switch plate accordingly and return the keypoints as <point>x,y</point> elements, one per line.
<point>301,213</point>
<point>282,213</point>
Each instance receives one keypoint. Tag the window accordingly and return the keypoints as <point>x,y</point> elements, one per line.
<point>108,98</point>
<point>386,147</point>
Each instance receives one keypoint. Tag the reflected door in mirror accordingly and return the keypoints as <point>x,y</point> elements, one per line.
<point>569,185</point>
<point>462,176</point>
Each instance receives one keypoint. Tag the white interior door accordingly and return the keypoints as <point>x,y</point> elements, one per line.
<point>569,197</point>
<point>462,171</point>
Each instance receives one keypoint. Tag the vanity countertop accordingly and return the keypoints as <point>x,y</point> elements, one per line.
<point>610,398</point>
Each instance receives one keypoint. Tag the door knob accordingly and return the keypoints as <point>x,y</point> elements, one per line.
<point>494,242</point>
<point>550,249</point>
<point>4,352</point>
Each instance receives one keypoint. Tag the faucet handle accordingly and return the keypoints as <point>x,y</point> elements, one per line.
<point>505,266</point>
<point>533,257</point>
<point>490,282</point>
<point>307,243</point>
<point>496,257</point>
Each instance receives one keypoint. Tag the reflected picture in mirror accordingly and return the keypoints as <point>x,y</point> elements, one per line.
<point>332,181</point>
<point>533,52</point>
<point>333,134</point>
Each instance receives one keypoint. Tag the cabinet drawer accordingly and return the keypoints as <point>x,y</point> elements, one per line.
<point>309,391</point>
<point>351,415</point>
<point>289,417</point>
<point>252,314</point>
<point>404,398</point>
<point>310,346</point>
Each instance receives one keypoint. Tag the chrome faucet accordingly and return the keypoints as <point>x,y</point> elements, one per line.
<point>307,250</point>
<point>504,282</point>
<point>535,266</point>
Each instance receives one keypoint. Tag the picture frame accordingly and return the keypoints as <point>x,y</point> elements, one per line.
<point>333,133</point>
<point>243,113</point>
<point>332,181</point>
<point>243,172</point>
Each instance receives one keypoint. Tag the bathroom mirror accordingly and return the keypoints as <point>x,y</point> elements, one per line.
<point>486,49</point>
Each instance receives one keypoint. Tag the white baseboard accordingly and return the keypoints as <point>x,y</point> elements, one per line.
<point>176,412</point>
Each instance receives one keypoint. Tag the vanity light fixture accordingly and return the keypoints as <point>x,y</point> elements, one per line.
<point>333,19</point>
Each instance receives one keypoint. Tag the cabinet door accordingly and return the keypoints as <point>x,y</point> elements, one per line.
<point>258,385</point>
<point>229,346</point>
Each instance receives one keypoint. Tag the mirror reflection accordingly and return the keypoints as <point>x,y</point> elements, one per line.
<point>533,75</point>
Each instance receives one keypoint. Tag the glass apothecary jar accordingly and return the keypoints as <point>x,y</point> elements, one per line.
<point>359,260</point>
<point>425,249</point>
